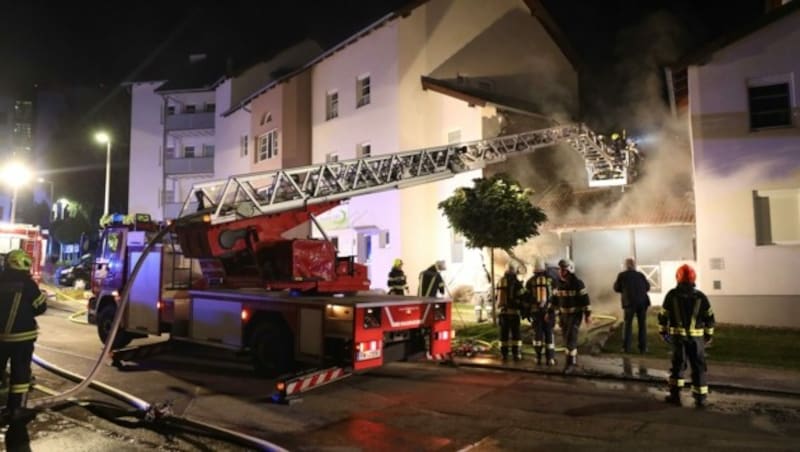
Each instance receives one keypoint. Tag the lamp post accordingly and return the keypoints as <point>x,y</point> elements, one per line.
<point>15,174</point>
<point>103,137</point>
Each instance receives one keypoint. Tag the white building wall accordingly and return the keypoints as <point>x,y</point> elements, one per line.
<point>228,132</point>
<point>747,283</point>
<point>146,172</point>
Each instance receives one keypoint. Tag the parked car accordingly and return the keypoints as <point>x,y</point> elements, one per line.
<point>82,271</point>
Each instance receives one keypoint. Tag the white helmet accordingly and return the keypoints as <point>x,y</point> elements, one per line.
<point>566,264</point>
<point>539,265</point>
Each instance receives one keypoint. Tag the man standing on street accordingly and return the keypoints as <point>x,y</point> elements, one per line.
<point>431,282</point>
<point>574,307</point>
<point>20,301</point>
<point>509,303</point>
<point>397,279</point>
<point>539,290</point>
<point>687,322</point>
<point>633,287</point>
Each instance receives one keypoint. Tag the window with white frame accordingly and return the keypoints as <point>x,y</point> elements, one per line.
<point>777,216</point>
<point>364,150</point>
<point>243,143</point>
<point>267,146</point>
<point>770,101</point>
<point>188,152</point>
<point>265,118</point>
<point>331,105</point>
<point>189,109</point>
<point>454,136</point>
<point>331,157</point>
<point>208,150</point>
<point>362,90</point>
<point>210,107</point>
<point>170,110</point>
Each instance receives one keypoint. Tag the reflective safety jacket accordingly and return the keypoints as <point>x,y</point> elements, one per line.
<point>509,294</point>
<point>539,292</point>
<point>397,281</point>
<point>20,301</point>
<point>571,296</point>
<point>686,312</point>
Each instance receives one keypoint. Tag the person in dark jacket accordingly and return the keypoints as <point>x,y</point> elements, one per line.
<point>633,286</point>
<point>687,323</point>
<point>431,282</point>
<point>20,302</point>
<point>539,292</point>
<point>510,294</point>
<point>397,279</point>
<point>574,307</point>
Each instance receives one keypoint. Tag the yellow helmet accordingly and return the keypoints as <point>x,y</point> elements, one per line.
<point>18,260</point>
<point>397,263</point>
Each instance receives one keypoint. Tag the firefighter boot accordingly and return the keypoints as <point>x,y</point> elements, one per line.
<point>516,353</point>
<point>674,396</point>
<point>538,349</point>
<point>569,368</point>
<point>700,400</point>
<point>504,352</point>
<point>551,359</point>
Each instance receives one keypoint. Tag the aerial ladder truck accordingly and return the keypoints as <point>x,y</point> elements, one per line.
<point>244,286</point>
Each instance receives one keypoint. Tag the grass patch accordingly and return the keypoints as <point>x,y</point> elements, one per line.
<point>748,345</point>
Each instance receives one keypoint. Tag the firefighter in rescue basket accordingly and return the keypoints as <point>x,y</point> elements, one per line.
<point>687,323</point>
<point>539,293</point>
<point>573,307</point>
<point>510,304</point>
<point>20,302</point>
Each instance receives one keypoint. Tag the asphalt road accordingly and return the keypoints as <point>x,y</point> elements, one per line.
<point>403,406</point>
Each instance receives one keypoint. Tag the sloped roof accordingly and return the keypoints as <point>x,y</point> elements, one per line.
<point>609,208</point>
<point>476,96</point>
<point>703,54</point>
<point>197,76</point>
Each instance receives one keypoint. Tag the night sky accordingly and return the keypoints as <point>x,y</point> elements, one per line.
<point>88,49</point>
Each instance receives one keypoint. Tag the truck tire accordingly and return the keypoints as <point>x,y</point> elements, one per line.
<point>105,318</point>
<point>272,349</point>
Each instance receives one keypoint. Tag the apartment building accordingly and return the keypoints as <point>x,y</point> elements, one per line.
<point>16,140</point>
<point>744,121</point>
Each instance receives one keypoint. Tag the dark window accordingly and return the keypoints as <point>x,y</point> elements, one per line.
<point>211,108</point>
<point>189,109</point>
<point>770,106</point>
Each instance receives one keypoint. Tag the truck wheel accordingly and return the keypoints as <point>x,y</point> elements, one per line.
<point>272,348</point>
<point>105,318</point>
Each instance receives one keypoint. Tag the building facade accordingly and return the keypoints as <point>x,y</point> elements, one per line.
<point>745,131</point>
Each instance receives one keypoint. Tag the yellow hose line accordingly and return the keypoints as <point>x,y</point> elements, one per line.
<point>73,317</point>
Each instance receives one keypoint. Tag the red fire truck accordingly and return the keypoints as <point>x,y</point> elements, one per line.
<point>227,276</point>
<point>27,237</point>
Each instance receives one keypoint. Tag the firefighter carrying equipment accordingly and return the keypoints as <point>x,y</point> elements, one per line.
<point>687,320</point>
<point>20,302</point>
<point>431,282</point>
<point>510,304</point>
<point>542,315</point>
<point>397,279</point>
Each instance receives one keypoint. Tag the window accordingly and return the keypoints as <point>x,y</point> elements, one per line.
<point>208,150</point>
<point>364,150</point>
<point>777,216</point>
<point>188,152</point>
<point>331,105</point>
<point>456,247</point>
<point>189,109</point>
<point>243,146</point>
<point>454,137</point>
<point>770,102</point>
<point>170,154</point>
<point>331,157</point>
<point>267,145</point>
<point>211,108</point>
<point>362,91</point>
<point>266,118</point>
<point>170,110</point>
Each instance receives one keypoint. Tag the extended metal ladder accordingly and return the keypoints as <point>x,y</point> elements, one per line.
<point>267,192</point>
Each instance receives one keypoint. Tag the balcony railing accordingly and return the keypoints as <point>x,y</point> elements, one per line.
<point>197,165</point>
<point>189,121</point>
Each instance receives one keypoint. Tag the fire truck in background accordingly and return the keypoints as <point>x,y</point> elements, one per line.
<point>26,237</point>
<point>227,274</point>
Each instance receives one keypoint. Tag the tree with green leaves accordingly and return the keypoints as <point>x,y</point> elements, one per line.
<point>495,213</point>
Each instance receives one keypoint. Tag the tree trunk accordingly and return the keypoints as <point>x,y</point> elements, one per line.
<point>494,297</point>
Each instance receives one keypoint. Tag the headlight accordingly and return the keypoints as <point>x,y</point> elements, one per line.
<point>439,311</point>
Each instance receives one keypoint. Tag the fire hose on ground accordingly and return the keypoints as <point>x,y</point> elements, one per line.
<point>160,412</point>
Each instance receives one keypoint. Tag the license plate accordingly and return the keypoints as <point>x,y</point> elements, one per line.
<point>369,354</point>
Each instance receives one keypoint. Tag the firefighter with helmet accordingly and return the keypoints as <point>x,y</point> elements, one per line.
<point>20,302</point>
<point>431,282</point>
<point>573,307</point>
<point>397,279</point>
<point>539,292</point>
<point>510,299</point>
<point>687,323</point>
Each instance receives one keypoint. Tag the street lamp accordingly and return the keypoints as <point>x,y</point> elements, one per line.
<point>103,137</point>
<point>15,174</point>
